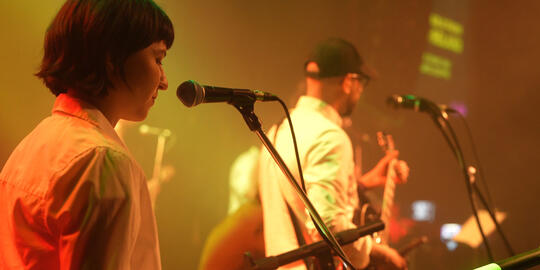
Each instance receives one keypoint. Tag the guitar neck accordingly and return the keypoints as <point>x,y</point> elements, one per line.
<point>389,188</point>
<point>388,202</point>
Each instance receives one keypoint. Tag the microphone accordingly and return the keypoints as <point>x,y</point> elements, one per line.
<point>191,94</point>
<point>418,104</point>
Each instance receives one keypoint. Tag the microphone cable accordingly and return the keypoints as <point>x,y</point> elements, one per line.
<point>490,207</point>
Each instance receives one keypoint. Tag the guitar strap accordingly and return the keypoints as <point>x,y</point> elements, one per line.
<point>309,262</point>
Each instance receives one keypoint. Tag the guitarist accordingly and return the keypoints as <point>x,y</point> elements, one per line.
<point>335,79</point>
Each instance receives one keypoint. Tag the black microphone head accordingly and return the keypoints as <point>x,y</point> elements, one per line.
<point>190,93</point>
<point>408,102</point>
<point>415,103</point>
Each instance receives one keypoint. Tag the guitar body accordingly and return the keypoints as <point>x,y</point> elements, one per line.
<point>237,234</point>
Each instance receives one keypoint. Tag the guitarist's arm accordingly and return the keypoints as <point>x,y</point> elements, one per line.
<point>377,176</point>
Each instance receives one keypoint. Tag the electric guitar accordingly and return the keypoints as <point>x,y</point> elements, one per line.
<point>368,214</point>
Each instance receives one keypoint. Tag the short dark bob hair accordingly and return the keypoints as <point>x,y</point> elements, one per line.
<point>86,34</point>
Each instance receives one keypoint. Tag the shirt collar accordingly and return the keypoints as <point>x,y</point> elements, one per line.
<point>322,107</point>
<point>75,107</point>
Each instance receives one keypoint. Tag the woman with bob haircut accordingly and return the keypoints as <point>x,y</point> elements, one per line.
<point>72,195</point>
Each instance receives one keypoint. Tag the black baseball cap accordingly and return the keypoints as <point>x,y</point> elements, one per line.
<point>337,57</point>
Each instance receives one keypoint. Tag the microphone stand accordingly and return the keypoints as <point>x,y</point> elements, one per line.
<point>158,160</point>
<point>245,106</point>
<point>440,118</point>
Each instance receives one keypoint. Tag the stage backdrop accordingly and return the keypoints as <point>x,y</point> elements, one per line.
<point>480,57</point>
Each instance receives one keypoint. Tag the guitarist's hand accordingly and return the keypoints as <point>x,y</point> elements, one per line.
<point>383,257</point>
<point>377,176</point>
<point>402,172</point>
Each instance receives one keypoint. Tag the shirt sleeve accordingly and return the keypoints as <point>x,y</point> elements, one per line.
<point>328,170</point>
<point>90,210</point>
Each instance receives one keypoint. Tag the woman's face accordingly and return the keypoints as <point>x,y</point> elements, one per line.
<point>144,76</point>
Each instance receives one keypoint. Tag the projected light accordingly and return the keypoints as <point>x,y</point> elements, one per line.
<point>436,66</point>
<point>445,33</point>
<point>423,210</point>
<point>448,231</point>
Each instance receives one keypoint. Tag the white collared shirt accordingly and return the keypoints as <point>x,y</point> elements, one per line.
<point>74,198</point>
<point>326,157</point>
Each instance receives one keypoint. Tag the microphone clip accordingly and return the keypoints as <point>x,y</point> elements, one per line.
<point>247,111</point>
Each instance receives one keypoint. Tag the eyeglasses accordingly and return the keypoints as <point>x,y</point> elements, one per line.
<point>362,78</point>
